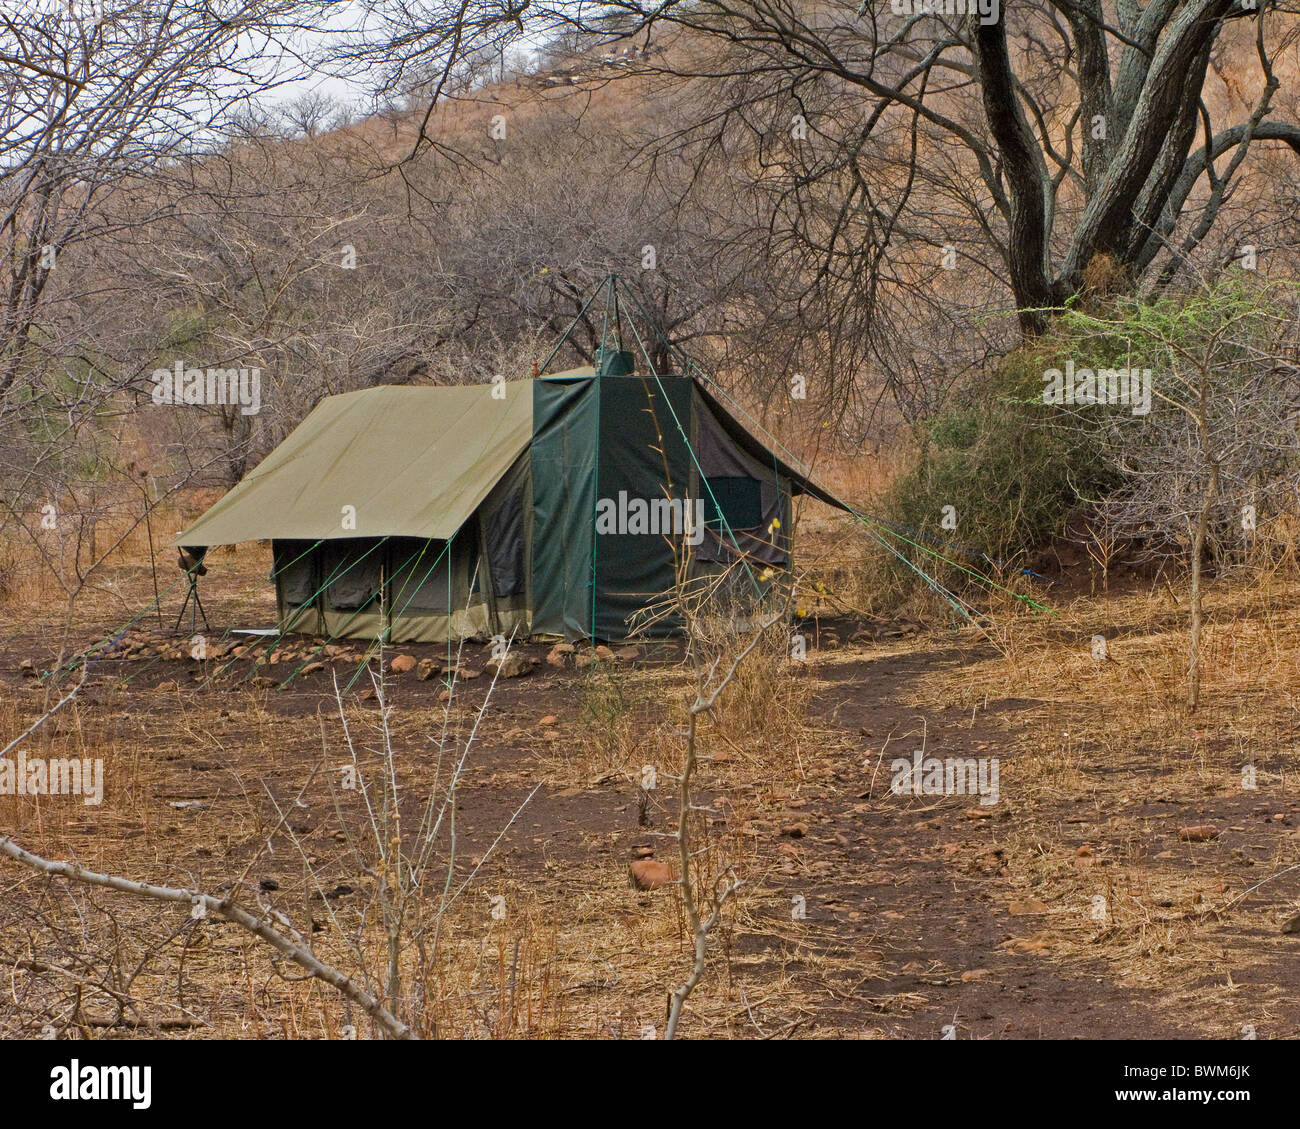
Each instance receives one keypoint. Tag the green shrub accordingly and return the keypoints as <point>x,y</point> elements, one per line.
<point>1011,468</point>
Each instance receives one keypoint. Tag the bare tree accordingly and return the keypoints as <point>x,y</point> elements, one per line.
<point>915,174</point>
<point>1216,461</point>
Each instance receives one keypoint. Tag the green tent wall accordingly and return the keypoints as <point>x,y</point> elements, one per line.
<point>491,525</point>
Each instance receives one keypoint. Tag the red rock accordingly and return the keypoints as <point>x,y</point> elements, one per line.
<point>560,655</point>
<point>401,664</point>
<point>1202,833</point>
<point>649,874</point>
<point>512,665</point>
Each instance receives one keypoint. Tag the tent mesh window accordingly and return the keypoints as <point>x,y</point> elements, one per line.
<point>357,568</point>
<point>505,543</point>
<point>732,503</point>
<point>295,568</point>
<point>420,577</point>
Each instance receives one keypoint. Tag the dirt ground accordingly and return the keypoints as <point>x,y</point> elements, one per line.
<point>1076,906</point>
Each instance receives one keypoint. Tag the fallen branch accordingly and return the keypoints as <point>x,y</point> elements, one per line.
<point>296,952</point>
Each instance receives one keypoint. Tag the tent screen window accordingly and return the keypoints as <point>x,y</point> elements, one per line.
<point>733,503</point>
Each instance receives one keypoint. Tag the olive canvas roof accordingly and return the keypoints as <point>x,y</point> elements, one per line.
<point>413,462</point>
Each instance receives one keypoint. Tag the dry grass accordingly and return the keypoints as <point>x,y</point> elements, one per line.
<point>1107,765</point>
<point>1103,756</point>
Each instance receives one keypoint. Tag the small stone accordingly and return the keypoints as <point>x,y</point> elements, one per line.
<point>1202,833</point>
<point>513,665</point>
<point>549,719</point>
<point>649,874</point>
<point>428,668</point>
<point>165,688</point>
<point>795,830</point>
<point>401,664</point>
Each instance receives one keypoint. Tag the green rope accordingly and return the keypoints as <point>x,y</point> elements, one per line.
<point>865,519</point>
<point>691,450</point>
<point>384,629</point>
<point>225,635</point>
<point>565,335</point>
<point>595,503</point>
<point>275,642</point>
<point>861,515</point>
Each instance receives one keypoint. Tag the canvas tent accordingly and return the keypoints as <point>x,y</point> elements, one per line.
<point>555,506</point>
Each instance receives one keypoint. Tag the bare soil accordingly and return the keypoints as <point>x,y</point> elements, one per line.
<point>924,917</point>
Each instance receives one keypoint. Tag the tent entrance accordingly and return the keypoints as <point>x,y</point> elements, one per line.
<point>405,589</point>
